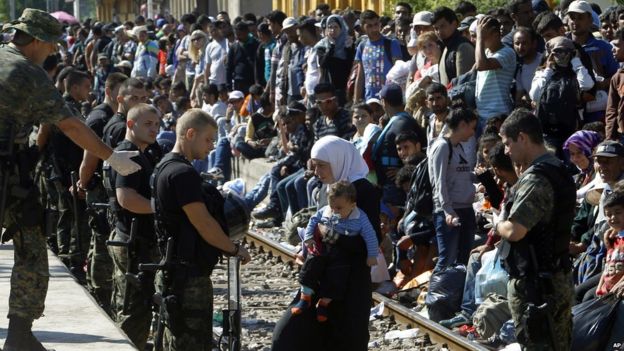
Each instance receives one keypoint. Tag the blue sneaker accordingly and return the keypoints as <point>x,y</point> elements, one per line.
<point>460,319</point>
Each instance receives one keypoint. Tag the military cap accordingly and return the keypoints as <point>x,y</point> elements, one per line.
<point>38,24</point>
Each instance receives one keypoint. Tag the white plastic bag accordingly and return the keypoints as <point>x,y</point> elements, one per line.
<point>491,278</point>
<point>379,273</point>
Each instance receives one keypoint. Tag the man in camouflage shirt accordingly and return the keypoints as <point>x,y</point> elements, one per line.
<point>536,237</point>
<point>29,97</point>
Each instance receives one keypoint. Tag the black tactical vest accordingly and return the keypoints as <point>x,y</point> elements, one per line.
<point>550,238</point>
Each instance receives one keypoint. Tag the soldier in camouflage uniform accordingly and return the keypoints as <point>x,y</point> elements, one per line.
<point>536,238</point>
<point>29,97</point>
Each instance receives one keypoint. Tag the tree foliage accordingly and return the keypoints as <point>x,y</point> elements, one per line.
<point>428,5</point>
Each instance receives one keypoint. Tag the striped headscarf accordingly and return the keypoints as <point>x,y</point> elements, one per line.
<point>586,140</point>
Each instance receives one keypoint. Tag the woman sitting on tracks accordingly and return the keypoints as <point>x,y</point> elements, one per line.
<point>336,159</point>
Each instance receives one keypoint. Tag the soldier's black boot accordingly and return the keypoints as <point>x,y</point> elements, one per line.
<point>20,337</point>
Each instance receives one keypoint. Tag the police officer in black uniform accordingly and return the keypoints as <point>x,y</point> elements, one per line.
<point>197,231</point>
<point>99,263</point>
<point>130,200</point>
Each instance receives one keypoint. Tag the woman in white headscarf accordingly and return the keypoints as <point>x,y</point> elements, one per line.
<point>336,159</point>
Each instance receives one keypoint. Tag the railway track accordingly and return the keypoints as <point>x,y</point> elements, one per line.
<point>401,314</point>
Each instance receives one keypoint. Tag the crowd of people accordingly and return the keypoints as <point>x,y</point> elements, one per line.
<point>482,151</point>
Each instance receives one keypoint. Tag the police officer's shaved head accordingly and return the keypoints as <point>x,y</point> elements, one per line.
<point>142,109</point>
<point>196,119</point>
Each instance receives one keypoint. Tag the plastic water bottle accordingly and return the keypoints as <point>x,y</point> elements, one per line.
<point>456,222</point>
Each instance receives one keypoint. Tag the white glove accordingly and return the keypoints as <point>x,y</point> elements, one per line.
<point>120,161</point>
<point>576,63</point>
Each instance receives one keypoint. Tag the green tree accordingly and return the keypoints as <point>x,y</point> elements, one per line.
<point>428,5</point>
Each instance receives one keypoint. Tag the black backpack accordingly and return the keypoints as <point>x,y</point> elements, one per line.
<point>465,89</point>
<point>558,104</point>
<point>420,196</point>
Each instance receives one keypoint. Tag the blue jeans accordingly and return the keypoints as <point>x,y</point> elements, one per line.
<point>249,151</point>
<point>454,243</point>
<point>468,305</point>
<point>283,188</point>
<point>259,192</point>
<point>222,158</point>
<point>297,192</point>
<point>311,184</point>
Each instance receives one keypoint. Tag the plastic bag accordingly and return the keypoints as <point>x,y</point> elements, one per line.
<point>593,321</point>
<point>379,272</point>
<point>446,288</point>
<point>491,278</point>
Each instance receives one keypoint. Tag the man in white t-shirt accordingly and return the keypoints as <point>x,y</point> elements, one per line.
<point>496,65</point>
<point>216,53</point>
<point>525,45</point>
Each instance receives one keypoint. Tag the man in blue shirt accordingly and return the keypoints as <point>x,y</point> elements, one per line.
<point>604,64</point>
<point>375,57</point>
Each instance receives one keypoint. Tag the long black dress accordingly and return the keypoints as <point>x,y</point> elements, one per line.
<point>347,326</point>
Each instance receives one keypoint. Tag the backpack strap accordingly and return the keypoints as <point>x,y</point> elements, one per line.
<point>388,49</point>
<point>450,145</point>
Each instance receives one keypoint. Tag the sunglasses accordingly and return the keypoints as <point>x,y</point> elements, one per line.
<point>325,101</point>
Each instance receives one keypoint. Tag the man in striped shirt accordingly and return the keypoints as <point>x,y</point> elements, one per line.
<point>496,65</point>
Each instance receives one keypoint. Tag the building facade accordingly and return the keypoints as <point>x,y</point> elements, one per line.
<point>122,10</point>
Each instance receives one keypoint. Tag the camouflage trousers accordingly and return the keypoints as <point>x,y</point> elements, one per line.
<point>65,231</point>
<point>560,302</point>
<point>29,278</point>
<point>99,262</point>
<point>137,318</point>
<point>196,334</point>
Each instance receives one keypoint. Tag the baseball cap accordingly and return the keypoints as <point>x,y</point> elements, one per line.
<point>373,101</point>
<point>160,22</point>
<point>38,24</point>
<point>181,28</point>
<point>580,6</point>
<point>609,148</point>
<point>119,29</point>
<point>391,92</point>
<point>294,108</point>
<point>138,29</point>
<point>289,22</point>
<point>423,18</point>
<point>124,64</point>
<point>465,23</point>
<point>236,95</point>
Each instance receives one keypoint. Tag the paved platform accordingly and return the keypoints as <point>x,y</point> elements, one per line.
<point>72,319</point>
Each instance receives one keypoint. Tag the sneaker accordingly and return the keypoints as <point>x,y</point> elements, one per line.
<point>267,224</point>
<point>459,319</point>
<point>267,212</point>
<point>213,174</point>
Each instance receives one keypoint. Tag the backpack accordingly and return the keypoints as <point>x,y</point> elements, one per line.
<point>420,196</point>
<point>558,104</point>
<point>464,88</point>
<point>298,220</point>
<point>491,315</point>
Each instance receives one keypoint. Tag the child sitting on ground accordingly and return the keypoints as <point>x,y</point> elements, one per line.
<point>612,279</point>
<point>326,267</point>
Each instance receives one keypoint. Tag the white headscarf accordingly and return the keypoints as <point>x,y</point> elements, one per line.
<point>345,160</point>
